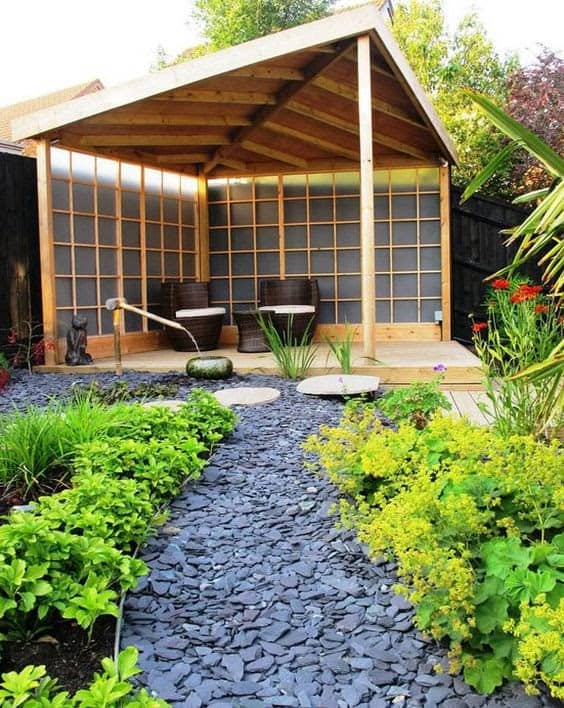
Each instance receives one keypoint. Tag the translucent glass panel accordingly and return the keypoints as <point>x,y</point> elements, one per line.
<point>309,226</point>
<point>119,230</point>
<point>407,240</point>
<point>244,239</point>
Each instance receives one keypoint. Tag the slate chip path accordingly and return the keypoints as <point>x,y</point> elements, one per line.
<point>254,599</point>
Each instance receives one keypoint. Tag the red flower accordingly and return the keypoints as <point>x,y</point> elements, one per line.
<point>526,292</point>
<point>12,336</point>
<point>479,326</point>
<point>500,284</point>
<point>541,308</point>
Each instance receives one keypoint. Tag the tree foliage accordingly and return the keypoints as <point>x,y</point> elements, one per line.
<point>448,63</point>
<point>227,23</point>
<point>536,99</point>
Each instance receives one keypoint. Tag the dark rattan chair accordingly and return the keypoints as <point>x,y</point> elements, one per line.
<point>286,295</point>
<point>188,304</point>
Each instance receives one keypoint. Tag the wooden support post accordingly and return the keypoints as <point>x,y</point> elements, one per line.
<point>203,231</point>
<point>46,249</point>
<point>444,186</point>
<point>116,317</point>
<point>367,264</point>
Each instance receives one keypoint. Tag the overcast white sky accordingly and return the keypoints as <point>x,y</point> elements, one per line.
<point>47,45</point>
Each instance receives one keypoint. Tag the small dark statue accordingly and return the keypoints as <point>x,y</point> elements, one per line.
<point>76,343</point>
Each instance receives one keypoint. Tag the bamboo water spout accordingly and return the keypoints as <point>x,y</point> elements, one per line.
<point>115,304</point>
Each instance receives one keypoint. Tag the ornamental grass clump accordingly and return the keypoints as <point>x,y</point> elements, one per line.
<point>294,356</point>
<point>475,522</point>
<point>522,328</point>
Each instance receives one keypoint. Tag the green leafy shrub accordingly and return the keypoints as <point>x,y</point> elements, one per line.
<point>475,522</point>
<point>72,553</point>
<point>416,403</point>
<point>201,417</point>
<point>32,688</point>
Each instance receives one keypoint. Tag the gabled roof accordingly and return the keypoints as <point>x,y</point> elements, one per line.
<point>23,108</point>
<point>285,101</point>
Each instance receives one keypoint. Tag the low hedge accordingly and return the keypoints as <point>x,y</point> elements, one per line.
<point>476,523</point>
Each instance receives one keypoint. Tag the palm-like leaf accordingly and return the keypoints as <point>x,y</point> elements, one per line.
<point>540,234</point>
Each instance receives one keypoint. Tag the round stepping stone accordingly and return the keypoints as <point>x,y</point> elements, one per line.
<point>246,396</point>
<point>172,404</point>
<point>339,385</point>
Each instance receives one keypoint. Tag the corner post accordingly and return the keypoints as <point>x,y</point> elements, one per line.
<point>367,263</point>
<point>444,187</point>
<point>203,231</point>
<point>46,249</point>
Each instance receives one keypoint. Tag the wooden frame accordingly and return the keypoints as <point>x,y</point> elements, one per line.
<point>446,258</point>
<point>46,249</point>
<point>367,263</point>
<point>279,105</point>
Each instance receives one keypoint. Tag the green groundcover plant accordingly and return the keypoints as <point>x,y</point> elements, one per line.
<point>476,523</point>
<point>74,553</point>
<point>32,688</point>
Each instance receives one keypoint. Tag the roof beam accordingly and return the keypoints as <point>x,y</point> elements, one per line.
<point>167,119</point>
<point>328,145</point>
<point>269,72</point>
<point>147,140</point>
<point>182,157</point>
<point>323,117</point>
<point>352,127</point>
<point>314,69</point>
<point>400,146</point>
<point>279,155</point>
<point>201,96</point>
<point>349,93</point>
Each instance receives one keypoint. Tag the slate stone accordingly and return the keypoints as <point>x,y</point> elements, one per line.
<point>273,632</point>
<point>296,636</point>
<point>243,688</point>
<point>234,665</point>
<point>260,665</point>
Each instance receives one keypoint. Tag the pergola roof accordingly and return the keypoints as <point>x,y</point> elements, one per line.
<point>282,103</point>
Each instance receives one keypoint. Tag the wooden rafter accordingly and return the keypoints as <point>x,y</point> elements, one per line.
<point>181,157</point>
<point>323,117</point>
<point>267,151</point>
<point>315,68</point>
<point>255,98</point>
<point>167,119</point>
<point>382,139</point>
<point>328,145</point>
<point>349,93</point>
<point>352,127</point>
<point>147,140</point>
<point>270,72</point>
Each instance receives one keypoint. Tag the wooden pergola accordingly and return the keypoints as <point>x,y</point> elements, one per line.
<point>336,94</point>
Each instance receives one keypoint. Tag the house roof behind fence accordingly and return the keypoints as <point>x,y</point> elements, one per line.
<point>32,105</point>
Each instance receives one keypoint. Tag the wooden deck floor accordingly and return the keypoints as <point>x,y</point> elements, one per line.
<point>399,363</point>
<point>465,404</point>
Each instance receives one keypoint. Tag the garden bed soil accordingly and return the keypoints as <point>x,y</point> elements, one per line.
<point>65,652</point>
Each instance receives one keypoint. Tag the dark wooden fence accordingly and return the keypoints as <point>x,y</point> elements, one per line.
<point>478,250</point>
<point>20,280</point>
